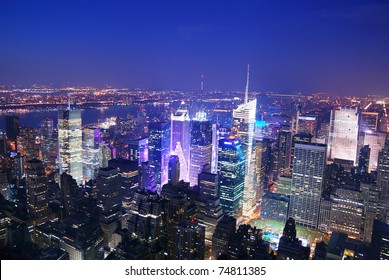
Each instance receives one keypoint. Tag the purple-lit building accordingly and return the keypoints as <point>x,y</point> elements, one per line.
<point>138,150</point>
<point>180,133</point>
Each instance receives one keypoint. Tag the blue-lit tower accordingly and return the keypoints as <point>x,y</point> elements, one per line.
<point>231,168</point>
<point>159,152</point>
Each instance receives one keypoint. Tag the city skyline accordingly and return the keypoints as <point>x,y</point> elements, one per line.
<point>338,48</point>
<point>127,131</point>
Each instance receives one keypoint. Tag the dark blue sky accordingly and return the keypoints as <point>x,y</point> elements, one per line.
<point>340,47</point>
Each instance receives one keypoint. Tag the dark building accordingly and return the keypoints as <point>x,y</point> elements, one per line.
<point>79,235</point>
<point>363,161</point>
<point>174,170</point>
<point>190,240</point>
<point>12,132</point>
<point>145,216</point>
<point>71,194</point>
<point>146,177</point>
<point>290,247</point>
<point>37,189</point>
<point>274,206</point>
<point>379,247</point>
<point>128,175</point>
<point>340,247</point>
<point>247,244</point>
<point>320,251</point>
<point>284,151</point>
<point>12,127</point>
<point>109,200</point>
<point>222,235</point>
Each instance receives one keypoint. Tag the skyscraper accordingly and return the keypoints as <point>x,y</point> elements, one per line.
<point>109,199</point>
<point>379,248</point>
<point>145,216</point>
<point>146,177</point>
<point>46,139</point>
<point>159,152</point>
<point>383,182</point>
<point>174,170</point>
<point>284,151</point>
<point>243,128</point>
<point>90,152</point>
<point>200,147</point>
<point>215,142</point>
<point>70,143</point>
<point>209,210</point>
<point>307,180</point>
<point>376,142</point>
<point>261,168</point>
<point>180,139</point>
<point>369,121</point>
<point>231,169</point>
<point>138,150</point>
<point>190,240</point>
<point>12,131</point>
<point>290,247</point>
<point>70,194</point>
<point>37,189</point>
<point>308,125</point>
<point>224,231</point>
<point>343,135</point>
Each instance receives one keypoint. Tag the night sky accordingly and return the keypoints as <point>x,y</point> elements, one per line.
<point>339,47</point>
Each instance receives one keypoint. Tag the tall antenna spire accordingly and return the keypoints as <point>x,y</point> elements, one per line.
<point>246,93</point>
<point>69,100</point>
<point>202,83</point>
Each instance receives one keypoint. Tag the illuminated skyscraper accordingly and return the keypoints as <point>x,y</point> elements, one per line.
<point>369,121</point>
<point>200,146</point>
<point>307,180</point>
<point>46,140</point>
<point>180,139</point>
<point>146,178</point>
<point>70,143</point>
<point>138,150</point>
<point>231,169</point>
<point>261,168</point>
<point>376,142</point>
<point>284,151</point>
<point>159,152</point>
<point>243,128</point>
<point>343,135</point>
<point>383,182</point>
<point>105,154</point>
<point>90,152</point>
<point>215,142</point>
<point>308,125</point>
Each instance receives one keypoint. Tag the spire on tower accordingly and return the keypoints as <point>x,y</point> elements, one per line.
<point>202,83</point>
<point>246,93</point>
<point>69,101</point>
